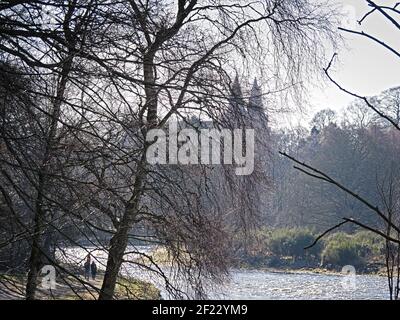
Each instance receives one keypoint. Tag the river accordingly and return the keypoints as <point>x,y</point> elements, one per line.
<point>268,285</point>
<point>263,284</point>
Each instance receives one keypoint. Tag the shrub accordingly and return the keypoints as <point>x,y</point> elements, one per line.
<point>339,249</point>
<point>342,249</point>
<point>372,244</point>
<point>291,242</point>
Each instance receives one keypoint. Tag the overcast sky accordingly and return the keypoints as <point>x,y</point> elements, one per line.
<point>364,66</point>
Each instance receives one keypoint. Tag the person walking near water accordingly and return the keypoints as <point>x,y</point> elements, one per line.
<point>87,267</point>
<point>93,269</point>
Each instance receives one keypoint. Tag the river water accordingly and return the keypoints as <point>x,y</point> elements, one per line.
<point>261,284</point>
<point>247,284</point>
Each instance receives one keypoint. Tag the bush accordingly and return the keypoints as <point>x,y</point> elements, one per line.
<point>342,249</point>
<point>291,242</point>
<point>372,244</point>
<point>273,247</point>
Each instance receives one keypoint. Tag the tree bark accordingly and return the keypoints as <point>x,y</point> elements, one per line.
<point>119,241</point>
<point>35,260</point>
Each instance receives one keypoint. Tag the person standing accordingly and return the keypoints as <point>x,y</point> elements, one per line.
<point>93,269</point>
<point>87,267</point>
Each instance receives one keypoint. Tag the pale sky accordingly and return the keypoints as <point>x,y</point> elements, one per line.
<point>364,67</point>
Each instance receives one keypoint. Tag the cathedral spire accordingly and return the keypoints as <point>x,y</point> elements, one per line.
<point>256,106</point>
<point>236,100</point>
<point>255,101</point>
<point>236,89</point>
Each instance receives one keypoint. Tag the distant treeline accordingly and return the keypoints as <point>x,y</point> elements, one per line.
<point>355,147</point>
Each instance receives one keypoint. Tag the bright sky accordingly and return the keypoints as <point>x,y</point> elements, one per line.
<point>364,66</point>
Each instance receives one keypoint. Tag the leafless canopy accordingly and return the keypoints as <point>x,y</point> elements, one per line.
<point>84,81</point>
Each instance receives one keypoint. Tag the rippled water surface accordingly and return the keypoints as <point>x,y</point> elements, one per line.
<point>271,285</point>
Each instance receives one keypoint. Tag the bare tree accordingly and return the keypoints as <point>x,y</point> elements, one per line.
<point>107,73</point>
<point>389,192</point>
<point>390,226</point>
<point>194,78</point>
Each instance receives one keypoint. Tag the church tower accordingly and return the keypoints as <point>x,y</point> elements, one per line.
<point>256,109</point>
<point>236,100</point>
<point>236,112</point>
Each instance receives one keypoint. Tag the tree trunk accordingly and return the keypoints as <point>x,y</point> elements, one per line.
<point>35,259</point>
<point>118,244</point>
<point>119,241</point>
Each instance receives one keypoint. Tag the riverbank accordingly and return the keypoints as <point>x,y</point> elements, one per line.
<point>289,266</point>
<point>70,287</point>
<point>277,264</point>
<point>323,271</point>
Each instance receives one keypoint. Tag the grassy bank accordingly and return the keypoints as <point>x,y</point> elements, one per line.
<point>283,249</point>
<point>72,288</point>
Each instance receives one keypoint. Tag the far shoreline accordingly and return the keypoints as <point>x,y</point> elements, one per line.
<point>320,271</point>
